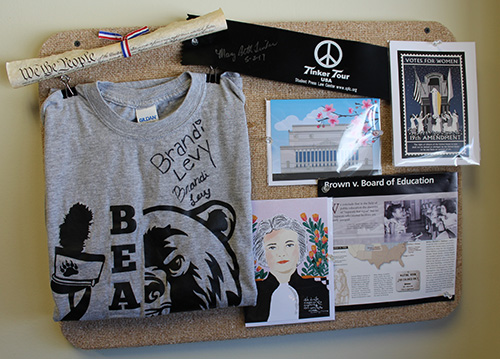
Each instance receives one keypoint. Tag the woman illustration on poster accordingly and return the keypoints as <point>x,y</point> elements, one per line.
<point>280,244</point>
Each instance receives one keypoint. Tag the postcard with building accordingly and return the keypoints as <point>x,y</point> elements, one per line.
<point>434,103</point>
<point>310,139</point>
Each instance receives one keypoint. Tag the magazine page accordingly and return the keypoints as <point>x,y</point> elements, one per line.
<point>294,275</point>
<point>434,103</point>
<point>318,138</point>
<point>395,238</point>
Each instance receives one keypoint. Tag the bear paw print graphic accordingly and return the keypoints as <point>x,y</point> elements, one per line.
<point>69,268</point>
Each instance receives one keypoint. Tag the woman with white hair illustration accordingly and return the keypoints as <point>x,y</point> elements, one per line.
<point>280,244</point>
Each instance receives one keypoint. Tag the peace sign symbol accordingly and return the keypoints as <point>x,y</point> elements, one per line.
<point>327,60</point>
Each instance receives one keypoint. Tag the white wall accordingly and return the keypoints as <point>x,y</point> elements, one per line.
<point>26,327</point>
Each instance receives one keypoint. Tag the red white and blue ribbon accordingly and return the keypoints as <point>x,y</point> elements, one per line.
<point>124,39</point>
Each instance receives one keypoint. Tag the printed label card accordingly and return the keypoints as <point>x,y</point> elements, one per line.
<point>293,272</point>
<point>310,139</point>
<point>434,103</point>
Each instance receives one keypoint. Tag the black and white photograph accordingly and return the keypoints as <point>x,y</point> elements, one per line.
<point>420,219</point>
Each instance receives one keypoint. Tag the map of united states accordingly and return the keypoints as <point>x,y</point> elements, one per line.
<point>378,254</point>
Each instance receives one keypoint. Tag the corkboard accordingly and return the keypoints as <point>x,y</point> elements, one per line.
<point>228,323</point>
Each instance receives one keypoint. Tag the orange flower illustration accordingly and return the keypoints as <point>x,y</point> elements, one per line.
<point>315,217</point>
<point>303,217</point>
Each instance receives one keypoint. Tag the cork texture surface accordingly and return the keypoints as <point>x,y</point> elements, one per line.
<point>228,323</point>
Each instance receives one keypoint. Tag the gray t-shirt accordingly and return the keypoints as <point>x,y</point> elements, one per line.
<point>147,218</point>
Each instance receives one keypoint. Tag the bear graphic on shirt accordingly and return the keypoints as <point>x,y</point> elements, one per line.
<point>189,263</point>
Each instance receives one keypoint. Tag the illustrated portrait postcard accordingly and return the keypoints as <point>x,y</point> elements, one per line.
<point>294,274</point>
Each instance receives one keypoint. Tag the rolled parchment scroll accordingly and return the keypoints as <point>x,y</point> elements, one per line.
<point>25,72</point>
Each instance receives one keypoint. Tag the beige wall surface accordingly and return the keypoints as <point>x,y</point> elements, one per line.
<point>26,326</point>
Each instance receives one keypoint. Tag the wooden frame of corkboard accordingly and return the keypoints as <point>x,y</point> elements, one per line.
<point>228,323</point>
